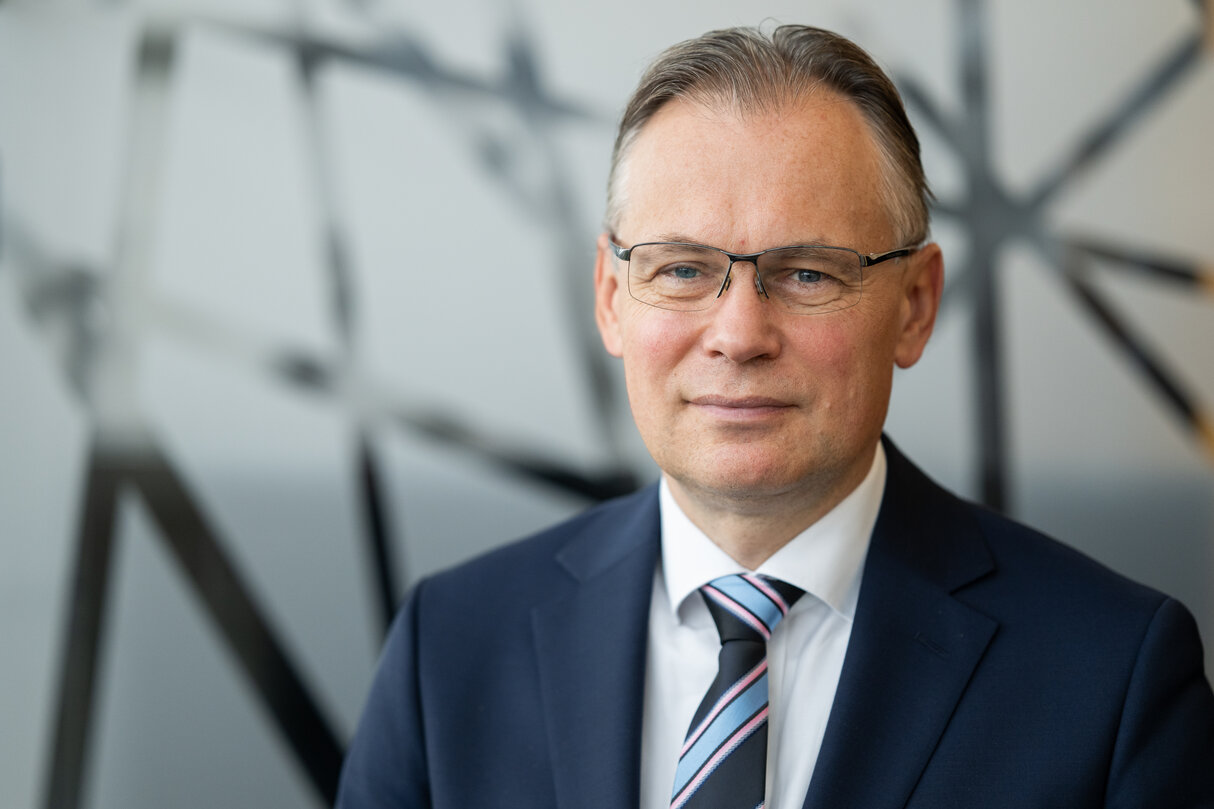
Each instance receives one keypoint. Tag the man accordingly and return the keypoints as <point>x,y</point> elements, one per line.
<point>765,268</point>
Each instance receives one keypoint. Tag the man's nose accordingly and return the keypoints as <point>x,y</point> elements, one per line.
<point>741,325</point>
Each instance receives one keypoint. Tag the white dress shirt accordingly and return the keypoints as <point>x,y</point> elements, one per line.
<point>804,655</point>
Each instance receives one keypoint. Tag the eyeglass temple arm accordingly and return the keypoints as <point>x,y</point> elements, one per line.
<point>876,258</point>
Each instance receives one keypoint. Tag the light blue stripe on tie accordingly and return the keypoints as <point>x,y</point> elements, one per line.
<point>745,594</point>
<point>745,705</point>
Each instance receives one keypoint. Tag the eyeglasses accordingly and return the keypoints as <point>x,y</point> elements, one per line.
<point>806,280</point>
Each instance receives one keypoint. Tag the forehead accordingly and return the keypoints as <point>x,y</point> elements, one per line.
<point>805,171</point>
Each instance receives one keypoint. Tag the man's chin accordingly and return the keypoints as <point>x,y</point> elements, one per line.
<point>742,483</point>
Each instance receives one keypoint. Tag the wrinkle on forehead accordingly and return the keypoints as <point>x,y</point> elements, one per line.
<point>746,181</point>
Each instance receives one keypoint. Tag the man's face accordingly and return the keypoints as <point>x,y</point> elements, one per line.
<point>745,400</point>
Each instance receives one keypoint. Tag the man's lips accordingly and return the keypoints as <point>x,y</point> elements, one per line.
<point>741,403</point>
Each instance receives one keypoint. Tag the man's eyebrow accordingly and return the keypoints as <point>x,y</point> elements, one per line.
<point>682,237</point>
<point>675,237</point>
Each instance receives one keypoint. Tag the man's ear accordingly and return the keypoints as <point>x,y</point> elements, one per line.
<point>606,299</point>
<point>922,286</point>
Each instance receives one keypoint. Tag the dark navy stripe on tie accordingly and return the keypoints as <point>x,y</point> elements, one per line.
<point>723,761</point>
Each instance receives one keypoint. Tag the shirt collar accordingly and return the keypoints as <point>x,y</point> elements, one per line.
<point>824,560</point>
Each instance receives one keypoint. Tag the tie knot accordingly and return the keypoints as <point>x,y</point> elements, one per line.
<point>746,606</point>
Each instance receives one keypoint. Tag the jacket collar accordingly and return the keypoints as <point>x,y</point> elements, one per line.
<point>590,650</point>
<point>913,649</point>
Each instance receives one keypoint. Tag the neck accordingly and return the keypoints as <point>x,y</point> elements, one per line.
<point>751,529</point>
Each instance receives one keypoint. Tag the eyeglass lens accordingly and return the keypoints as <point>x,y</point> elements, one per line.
<point>690,277</point>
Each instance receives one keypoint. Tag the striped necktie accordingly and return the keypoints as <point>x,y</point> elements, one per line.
<point>723,763</point>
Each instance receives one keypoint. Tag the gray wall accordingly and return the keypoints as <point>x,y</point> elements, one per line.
<point>279,279</point>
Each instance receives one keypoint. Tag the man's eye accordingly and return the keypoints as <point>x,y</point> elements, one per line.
<point>806,277</point>
<point>684,272</point>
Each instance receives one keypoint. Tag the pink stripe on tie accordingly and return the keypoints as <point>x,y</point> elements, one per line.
<point>736,739</point>
<point>740,612</point>
<point>767,590</point>
<point>726,698</point>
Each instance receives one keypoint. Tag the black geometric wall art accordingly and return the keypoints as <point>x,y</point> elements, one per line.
<point>136,463</point>
<point>991,215</point>
<point>131,459</point>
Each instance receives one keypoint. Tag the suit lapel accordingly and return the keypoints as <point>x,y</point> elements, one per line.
<point>590,650</point>
<point>913,648</point>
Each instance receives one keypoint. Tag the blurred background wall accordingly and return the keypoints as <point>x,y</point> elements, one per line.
<point>295,308</point>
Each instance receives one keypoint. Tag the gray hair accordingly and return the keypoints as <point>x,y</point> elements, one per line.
<point>750,72</point>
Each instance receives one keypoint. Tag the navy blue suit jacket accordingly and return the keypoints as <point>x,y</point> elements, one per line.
<point>988,667</point>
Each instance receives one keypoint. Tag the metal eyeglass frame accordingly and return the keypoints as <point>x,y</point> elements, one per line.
<point>865,259</point>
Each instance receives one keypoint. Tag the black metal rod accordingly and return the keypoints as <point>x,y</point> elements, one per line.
<point>1134,108</point>
<point>84,639</point>
<point>1148,365</point>
<point>229,602</point>
<point>987,357</point>
<point>988,378</point>
<point>1168,269</point>
<point>378,533</point>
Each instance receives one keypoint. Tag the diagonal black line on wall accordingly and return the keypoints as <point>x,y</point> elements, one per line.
<point>1165,384</point>
<point>1151,367</point>
<point>516,460</point>
<point>1133,108</point>
<point>917,98</point>
<point>378,535</point>
<point>219,588</point>
<point>83,638</point>
<point>312,376</point>
<point>1166,268</point>
<point>229,602</point>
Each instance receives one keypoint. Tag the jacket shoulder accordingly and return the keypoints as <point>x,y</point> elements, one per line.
<point>1057,574</point>
<point>984,555</point>
<point>556,556</point>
